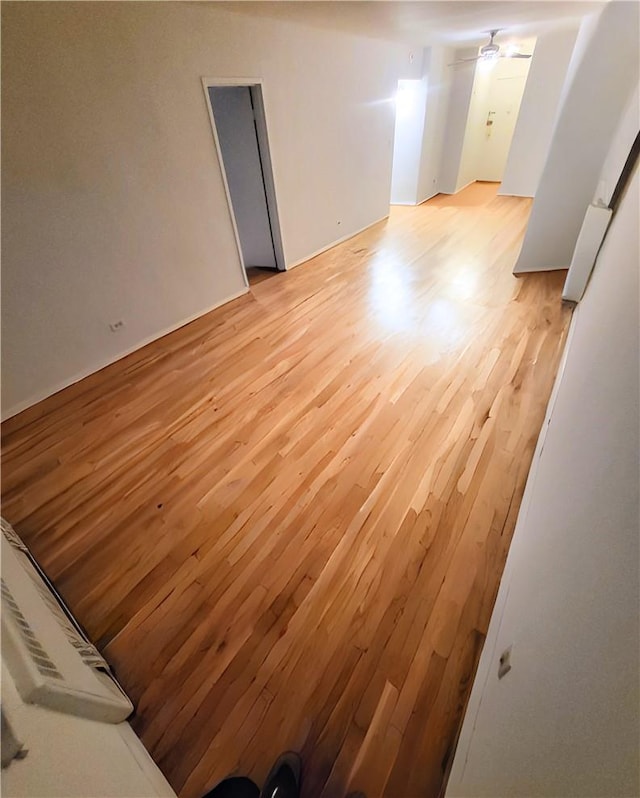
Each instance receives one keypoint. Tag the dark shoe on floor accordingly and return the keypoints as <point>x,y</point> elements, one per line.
<point>284,779</point>
<point>234,787</point>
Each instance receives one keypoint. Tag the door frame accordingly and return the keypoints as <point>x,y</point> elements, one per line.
<point>256,87</point>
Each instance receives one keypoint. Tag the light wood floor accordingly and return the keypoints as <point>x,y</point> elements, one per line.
<point>285,524</point>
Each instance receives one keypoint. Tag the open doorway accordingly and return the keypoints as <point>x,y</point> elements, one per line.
<point>410,102</point>
<point>239,129</point>
<point>498,87</point>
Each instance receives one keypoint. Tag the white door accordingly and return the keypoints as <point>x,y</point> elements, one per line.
<point>503,106</point>
<point>235,124</point>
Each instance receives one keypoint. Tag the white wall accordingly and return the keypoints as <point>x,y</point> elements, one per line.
<point>113,203</point>
<point>620,148</point>
<point>420,130</point>
<point>411,100</point>
<point>604,72</point>
<point>565,721</point>
<point>436,71</point>
<point>460,86</point>
<point>538,112</point>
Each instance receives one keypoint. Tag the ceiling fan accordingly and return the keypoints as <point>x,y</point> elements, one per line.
<point>492,50</point>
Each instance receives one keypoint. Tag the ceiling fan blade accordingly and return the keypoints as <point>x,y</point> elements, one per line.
<point>465,60</point>
<point>517,55</point>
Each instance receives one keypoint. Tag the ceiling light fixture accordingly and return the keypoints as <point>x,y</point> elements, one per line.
<point>491,51</point>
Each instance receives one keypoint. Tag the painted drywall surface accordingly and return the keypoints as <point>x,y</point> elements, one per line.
<point>420,130</point>
<point>538,112</point>
<point>497,89</point>
<point>436,73</point>
<point>95,224</point>
<point>113,201</point>
<point>565,720</point>
<point>619,150</point>
<point>411,101</point>
<point>597,95</point>
<point>459,88</point>
<point>586,31</point>
<point>598,215</point>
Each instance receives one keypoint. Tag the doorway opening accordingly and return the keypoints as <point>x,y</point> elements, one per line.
<point>498,87</point>
<point>238,122</point>
<point>258,274</point>
<point>410,102</point>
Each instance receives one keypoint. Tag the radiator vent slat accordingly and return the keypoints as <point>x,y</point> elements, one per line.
<point>39,656</point>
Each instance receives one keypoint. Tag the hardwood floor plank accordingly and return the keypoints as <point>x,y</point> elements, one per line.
<point>285,523</point>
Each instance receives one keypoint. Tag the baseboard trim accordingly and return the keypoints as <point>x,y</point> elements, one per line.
<point>41,396</point>
<point>335,243</point>
<point>431,196</point>
<point>513,194</point>
<point>535,269</point>
<point>466,185</point>
<point>417,202</point>
<point>457,190</point>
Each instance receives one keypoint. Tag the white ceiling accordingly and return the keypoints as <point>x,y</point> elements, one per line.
<point>455,22</point>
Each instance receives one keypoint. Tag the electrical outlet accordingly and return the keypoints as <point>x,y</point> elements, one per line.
<point>504,665</point>
<point>116,326</point>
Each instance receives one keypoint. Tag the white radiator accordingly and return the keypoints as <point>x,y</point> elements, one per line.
<point>592,233</point>
<point>61,708</point>
<point>52,664</point>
